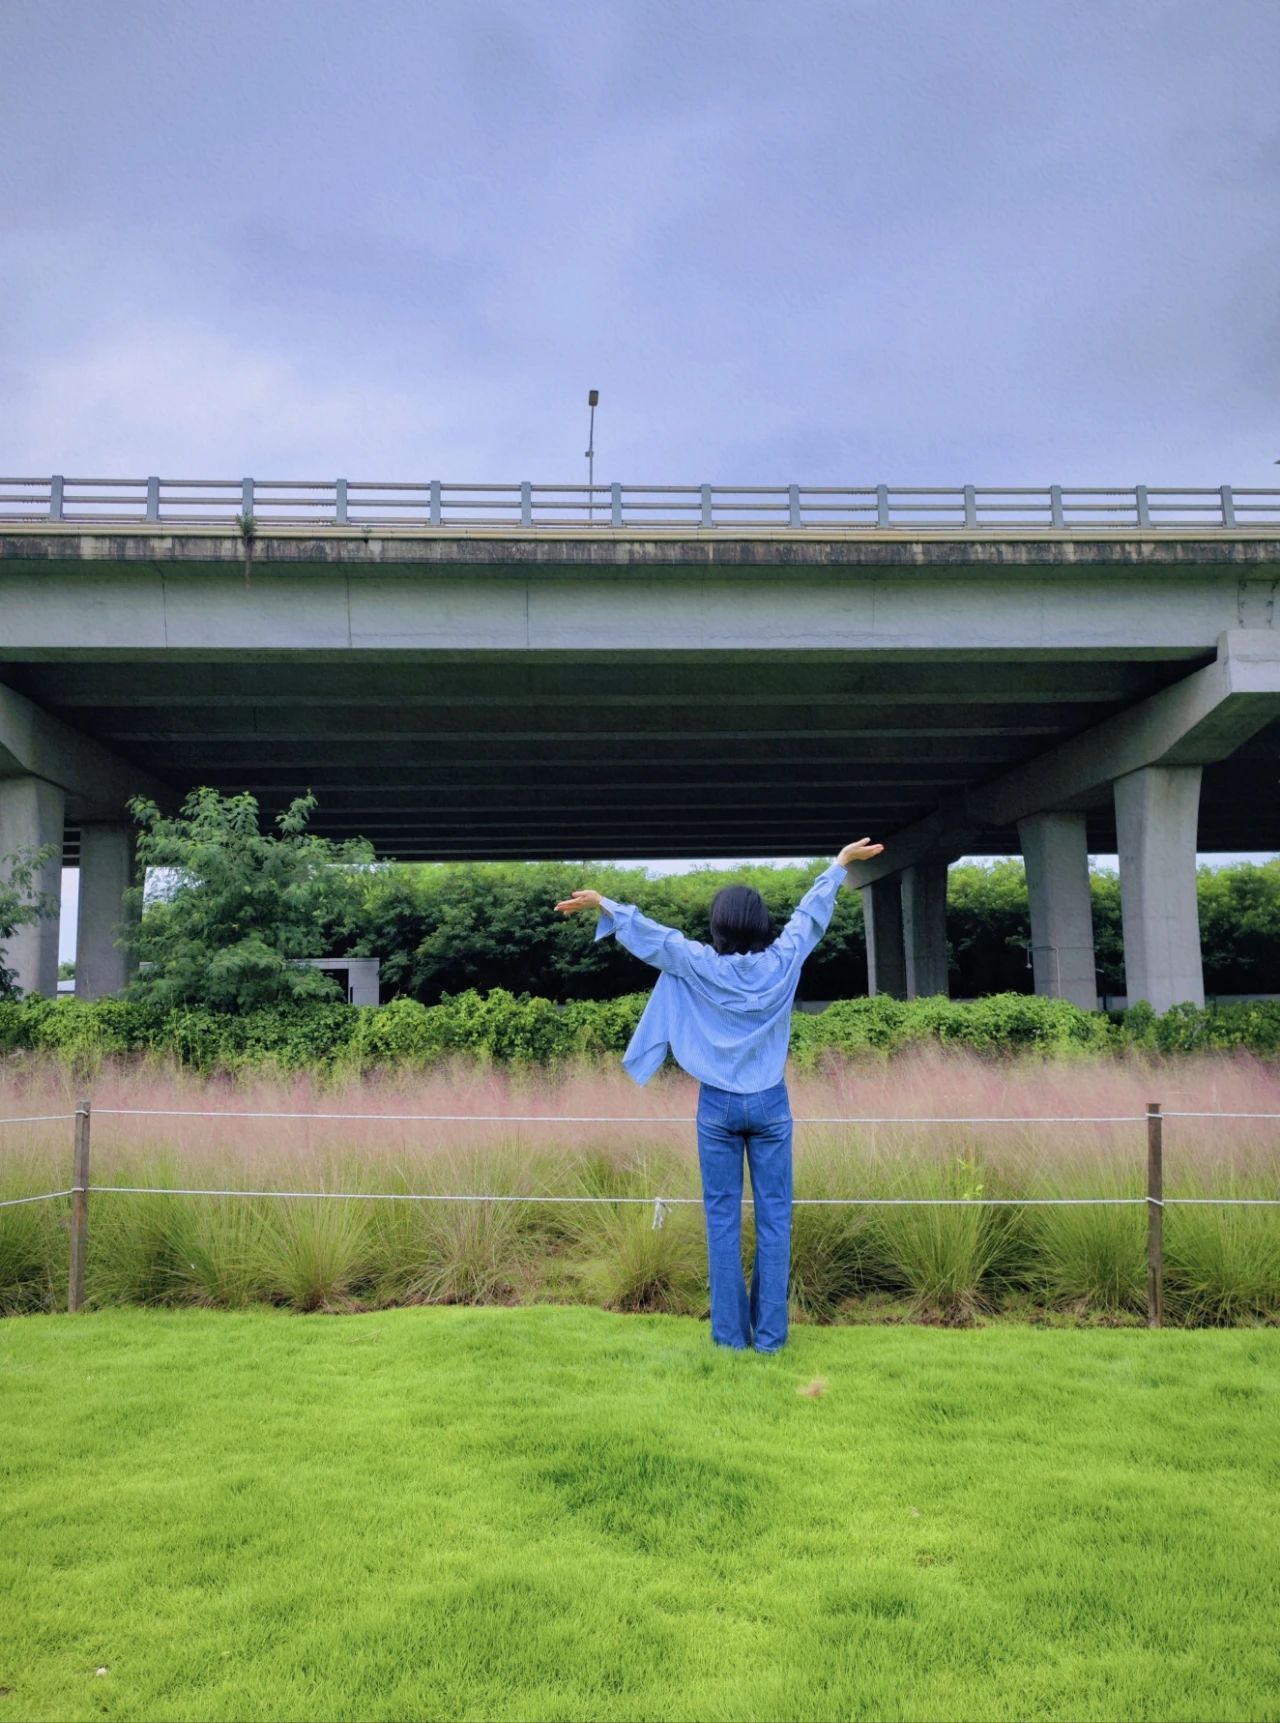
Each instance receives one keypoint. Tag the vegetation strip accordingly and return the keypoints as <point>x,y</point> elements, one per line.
<point>435,1187</point>
<point>527,1032</point>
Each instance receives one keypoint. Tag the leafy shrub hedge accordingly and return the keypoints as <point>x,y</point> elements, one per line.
<point>442,927</point>
<point>523,1029</point>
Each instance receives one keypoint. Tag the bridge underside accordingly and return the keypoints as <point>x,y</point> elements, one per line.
<point>503,754</point>
<point>502,695</point>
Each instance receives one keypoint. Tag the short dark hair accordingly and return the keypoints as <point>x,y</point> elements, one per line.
<point>739,920</point>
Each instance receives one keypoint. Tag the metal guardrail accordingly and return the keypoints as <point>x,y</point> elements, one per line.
<point>663,508</point>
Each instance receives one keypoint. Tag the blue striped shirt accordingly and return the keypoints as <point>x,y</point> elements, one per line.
<point>726,1018</point>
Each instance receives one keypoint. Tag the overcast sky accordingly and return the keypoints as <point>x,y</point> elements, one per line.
<point>912,242</point>
<point>987,241</point>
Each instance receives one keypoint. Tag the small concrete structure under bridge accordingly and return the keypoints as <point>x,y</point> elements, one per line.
<point>528,671</point>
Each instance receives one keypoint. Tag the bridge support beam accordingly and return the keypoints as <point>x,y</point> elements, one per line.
<point>924,928</point>
<point>1056,852</point>
<point>1156,815</point>
<point>1201,719</point>
<point>882,919</point>
<point>98,784</point>
<point>106,872</point>
<point>32,813</point>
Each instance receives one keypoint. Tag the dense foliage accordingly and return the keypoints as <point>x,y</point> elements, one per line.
<point>440,929</point>
<point>21,903</point>
<point>527,1029</point>
<point>236,904</point>
<point>443,927</point>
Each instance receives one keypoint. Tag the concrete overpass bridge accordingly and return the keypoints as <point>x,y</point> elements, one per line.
<point>526,671</point>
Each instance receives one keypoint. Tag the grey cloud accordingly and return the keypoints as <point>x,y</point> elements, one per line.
<point>919,242</point>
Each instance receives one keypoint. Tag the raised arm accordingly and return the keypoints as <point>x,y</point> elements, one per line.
<point>668,948</point>
<point>813,913</point>
<point>651,941</point>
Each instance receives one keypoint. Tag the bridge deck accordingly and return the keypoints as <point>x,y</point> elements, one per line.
<point>505,693</point>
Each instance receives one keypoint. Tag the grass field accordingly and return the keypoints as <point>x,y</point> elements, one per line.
<point>450,1512</point>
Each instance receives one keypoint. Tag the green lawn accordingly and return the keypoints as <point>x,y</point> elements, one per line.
<point>562,1513</point>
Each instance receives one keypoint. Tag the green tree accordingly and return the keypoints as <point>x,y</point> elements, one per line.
<point>989,926</point>
<point>441,928</point>
<point>1108,933</point>
<point>21,904</point>
<point>1240,926</point>
<point>239,905</point>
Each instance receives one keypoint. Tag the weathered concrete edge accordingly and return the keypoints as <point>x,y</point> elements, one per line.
<point>352,548</point>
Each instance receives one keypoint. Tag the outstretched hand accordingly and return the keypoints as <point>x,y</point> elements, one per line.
<point>580,900</point>
<point>861,850</point>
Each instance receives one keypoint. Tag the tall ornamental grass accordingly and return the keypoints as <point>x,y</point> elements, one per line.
<point>955,1260</point>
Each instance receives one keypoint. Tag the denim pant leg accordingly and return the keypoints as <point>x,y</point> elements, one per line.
<point>769,1157</point>
<point>720,1150</point>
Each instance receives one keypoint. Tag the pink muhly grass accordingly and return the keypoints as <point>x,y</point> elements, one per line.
<point>1223,1266</point>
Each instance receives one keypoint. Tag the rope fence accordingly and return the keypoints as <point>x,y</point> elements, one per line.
<point>1154,1200</point>
<point>38,1119</point>
<point>665,1202</point>
<point>643,1118</point>
<point>44,1197</point>
<point>636,1118</point>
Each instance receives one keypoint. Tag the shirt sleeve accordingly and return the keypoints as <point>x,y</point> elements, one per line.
<point>663,947</point>
<point>812,914</point>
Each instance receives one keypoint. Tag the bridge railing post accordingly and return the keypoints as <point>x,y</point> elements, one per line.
<point>793,505</point>
<point>526,503</point>
<point>1144,506</point>
<point>56,486</point>
<point>340,502</point>
<point>1228,506</point>
<point>1055,506</point>
<point>615,505</point>
<point>434,504</point>
<point>246,496</point>
<point>153,498</point>
<point>708,518</point>
<point>970,506</point>
<point>882,505</point>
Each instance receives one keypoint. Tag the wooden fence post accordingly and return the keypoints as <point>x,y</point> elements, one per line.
<point>79,1208</point>
<point>1155,1216</point>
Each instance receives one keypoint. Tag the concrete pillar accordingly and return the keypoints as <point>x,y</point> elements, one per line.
<point>1156,815</point>
<point>31,815</point>
<point>106,872</point>
<point>924,928</point>
<point>1056,851</point>
<point>882,919</point>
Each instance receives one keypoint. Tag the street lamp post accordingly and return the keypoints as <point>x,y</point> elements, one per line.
<point>593,400</point>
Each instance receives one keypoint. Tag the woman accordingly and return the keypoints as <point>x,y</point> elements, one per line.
<point>724,1010</point>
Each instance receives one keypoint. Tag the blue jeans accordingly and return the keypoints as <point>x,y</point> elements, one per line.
<point>760,1124</point>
